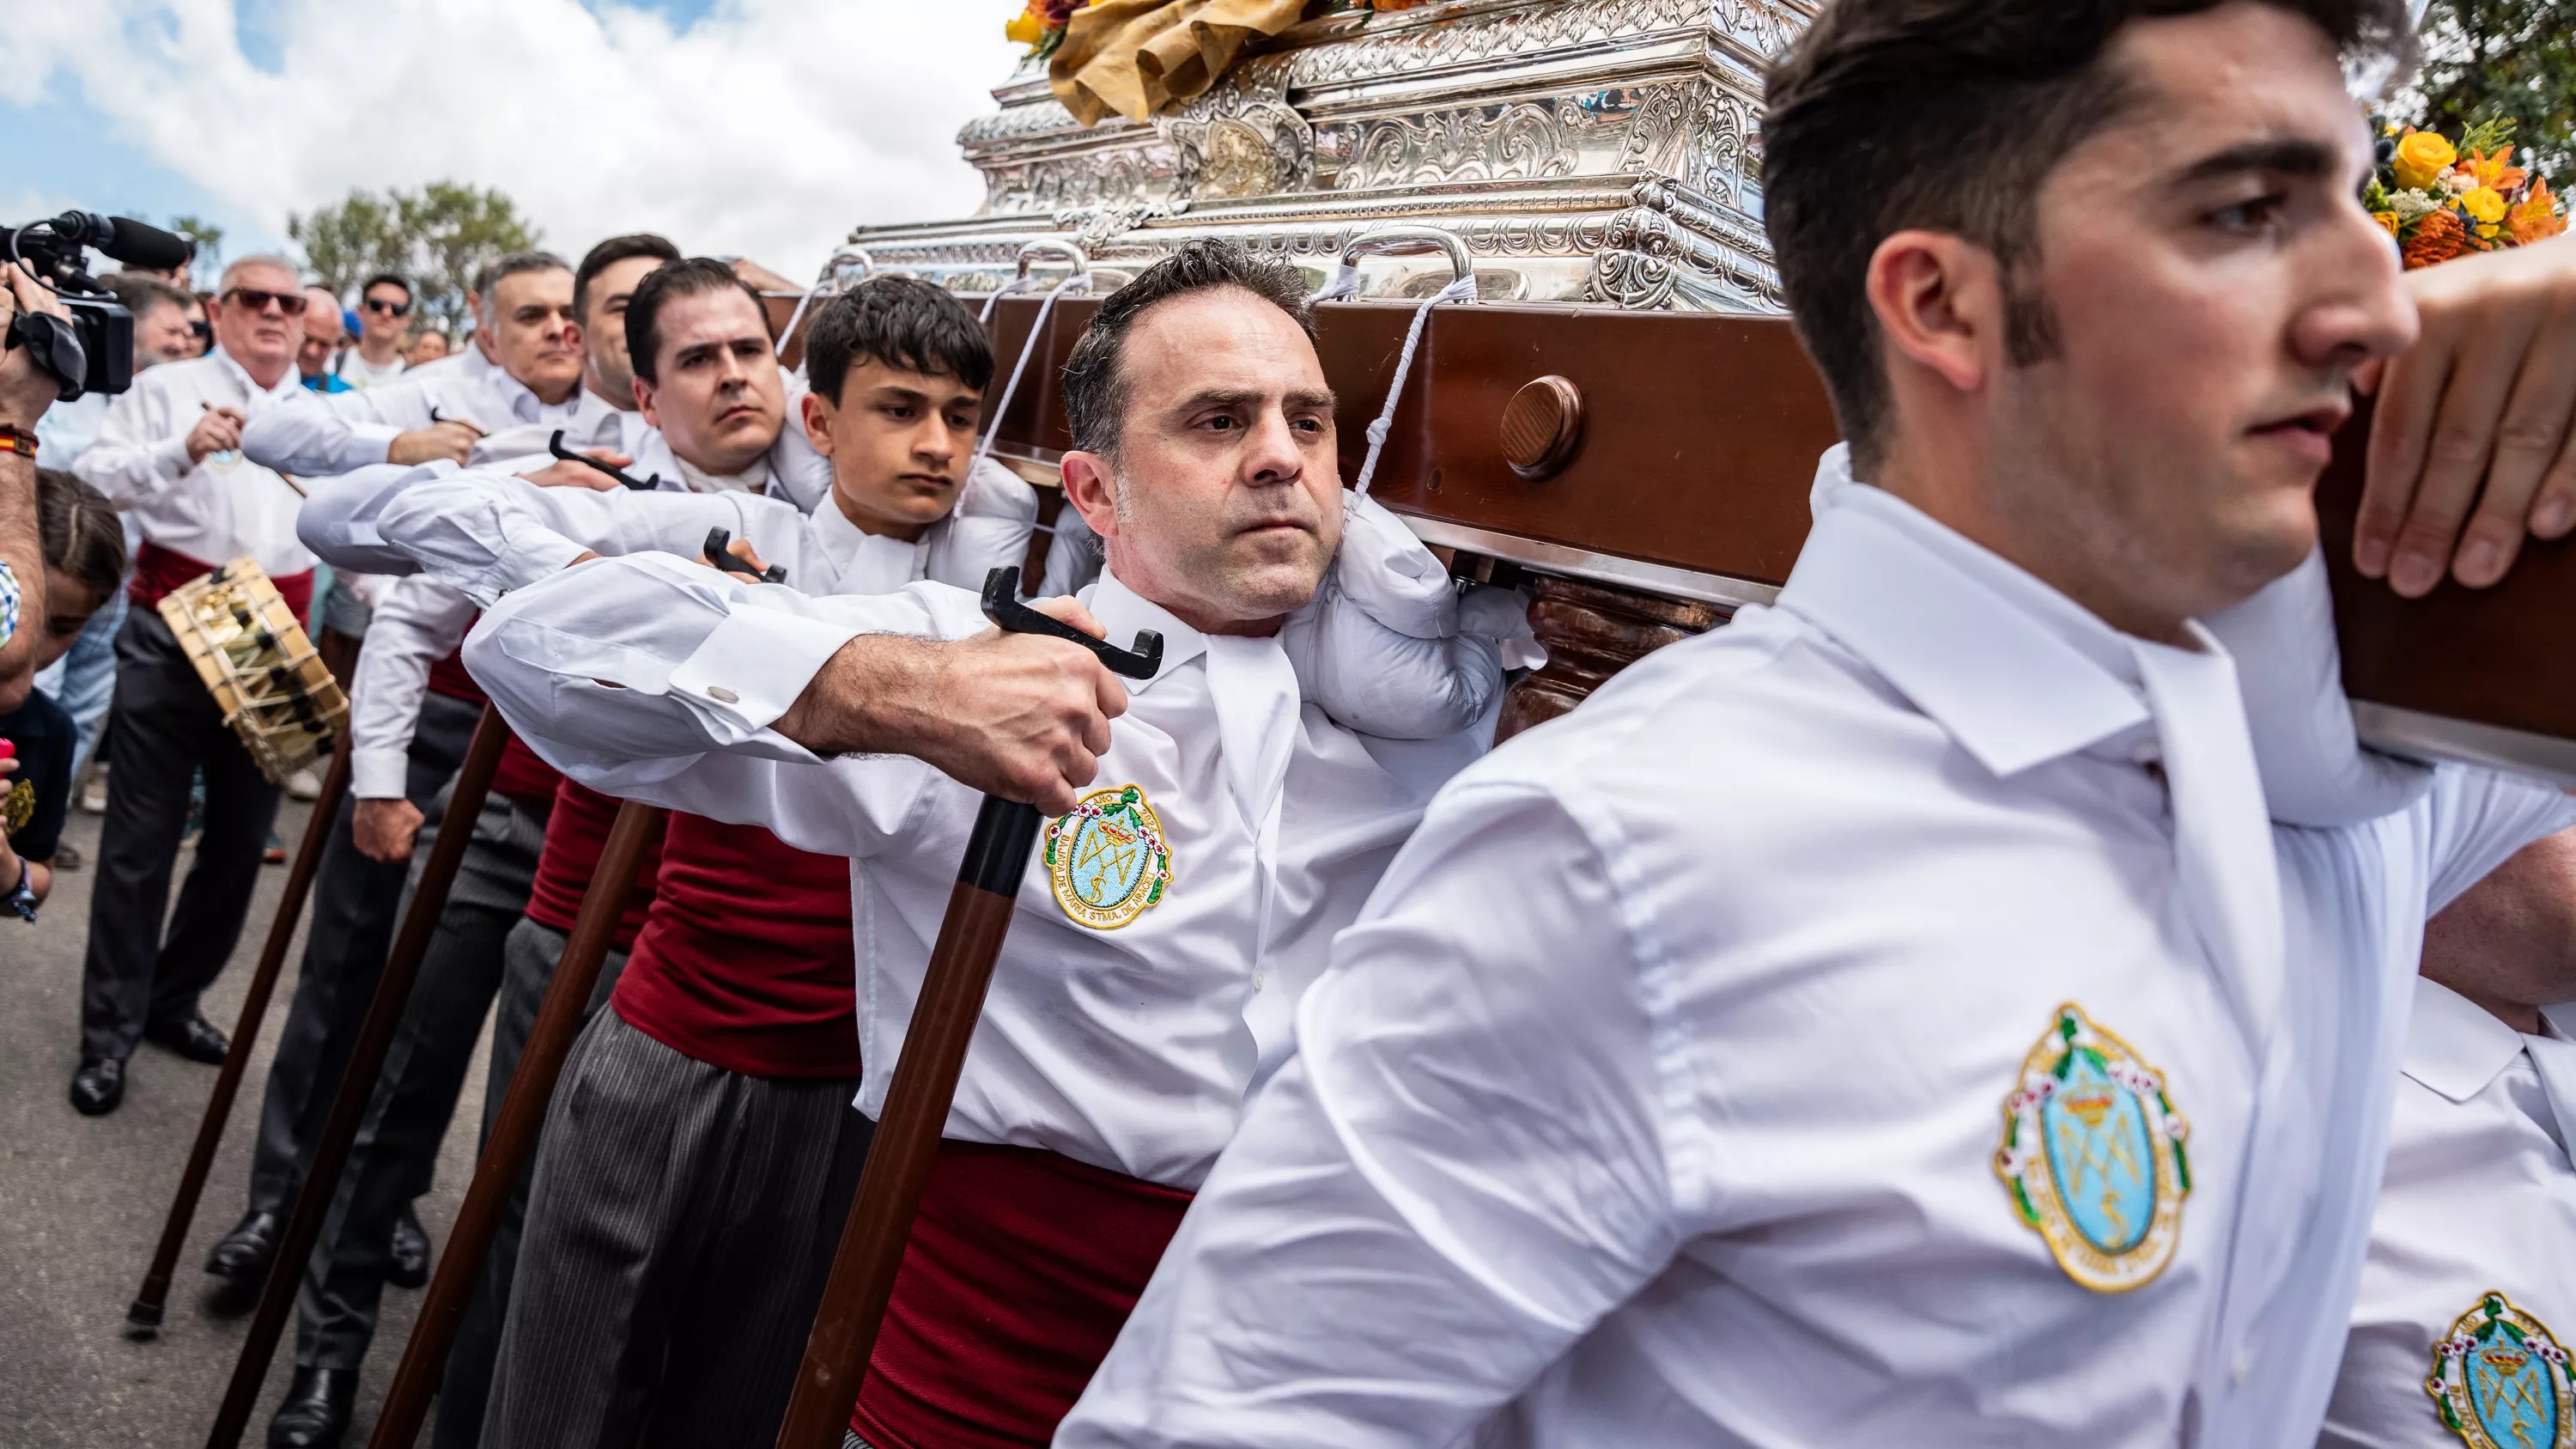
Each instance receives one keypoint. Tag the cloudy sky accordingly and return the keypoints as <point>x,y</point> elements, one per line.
<point>761,127</point>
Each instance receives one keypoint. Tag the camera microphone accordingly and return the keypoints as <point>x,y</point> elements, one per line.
<point>124,239</point>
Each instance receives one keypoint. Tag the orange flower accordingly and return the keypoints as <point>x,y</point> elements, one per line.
<point>2537,219</point>
<point>2491,171</point>
<point>2438,238</point>
<point>2422,157</point>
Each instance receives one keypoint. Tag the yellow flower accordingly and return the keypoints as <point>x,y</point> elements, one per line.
<point>2387,219</point>
<point>2486,204</point>
<point>1029,26</point>
<point>2422,156</point>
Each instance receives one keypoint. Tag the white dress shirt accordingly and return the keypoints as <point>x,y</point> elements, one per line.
<point>487,532</point>
<point>325,434</point>
<point>214,510</point>
<point>418,621</point>
<point>1130,1048</point>
<point>1665,1093</point>
<point>2480,1199</point>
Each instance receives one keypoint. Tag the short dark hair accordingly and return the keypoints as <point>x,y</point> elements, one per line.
<point>384,279</point>
<point>142,293</point>
<point>1949,115</point>
<point>608,254</point>
<point>1095,384</point>
<point>78,532</point>
<point>901,322</point>
<point>513,264</point>
<point>688,277</point>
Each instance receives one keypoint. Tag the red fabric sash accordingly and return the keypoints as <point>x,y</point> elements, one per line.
<point>576,833</point>
<point>448,677</point>
<point>1023,1266</point>
<point>158,571</point>
<point>745,961</point>
<point>525,778</point>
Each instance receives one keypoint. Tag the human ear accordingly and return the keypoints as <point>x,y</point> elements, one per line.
<point>1938,302</point>
<point>644,403</point>
<point>1092,489</point>
<point>815,412</point>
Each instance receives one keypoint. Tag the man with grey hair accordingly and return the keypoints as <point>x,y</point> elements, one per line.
<point>170,449</point>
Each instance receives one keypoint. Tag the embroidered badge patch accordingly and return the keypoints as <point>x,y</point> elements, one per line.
<point>2093,1156</point>
<point>17,807</point>
<point>2502,1381</point>
<point>1107,858</point>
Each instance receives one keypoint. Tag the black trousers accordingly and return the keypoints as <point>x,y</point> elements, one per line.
<point>354,904</point>
<point>167,728</point>
<point>528,968</point>
<point>681,1225</point>
<point>416,1096</point>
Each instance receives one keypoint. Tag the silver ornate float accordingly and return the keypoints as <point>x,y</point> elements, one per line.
<point>1584,150</point>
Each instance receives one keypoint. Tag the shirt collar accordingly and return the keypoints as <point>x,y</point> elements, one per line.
<point>850,548</point>
<point>750,480</point>
<point>287,386</point>
<point>2454,1046</point>
<point>1122,611</point>
<point>2015,671</point>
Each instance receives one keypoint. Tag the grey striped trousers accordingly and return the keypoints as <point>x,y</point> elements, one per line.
<point>680,1226</point>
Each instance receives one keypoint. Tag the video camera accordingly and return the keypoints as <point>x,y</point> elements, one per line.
<point>93,351</point>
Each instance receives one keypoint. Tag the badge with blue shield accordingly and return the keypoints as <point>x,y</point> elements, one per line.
<point>1106,858</point>
<point>2500,1380</point>
<point>2093,1156</point>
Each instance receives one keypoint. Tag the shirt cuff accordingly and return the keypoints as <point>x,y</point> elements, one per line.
<point>531,555</point>
<point>170,459</point>
<point>369,444</point>
<point>379,774</point>
<point>753,667</point>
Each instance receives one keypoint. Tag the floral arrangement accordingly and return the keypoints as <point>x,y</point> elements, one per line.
<point>1040,26</point>
<point>2442,199</point>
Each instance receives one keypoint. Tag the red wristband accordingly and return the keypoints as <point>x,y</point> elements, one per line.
<point>18,441</point>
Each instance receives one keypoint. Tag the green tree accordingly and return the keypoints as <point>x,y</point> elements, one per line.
<point>2502,58</point>
<point>210,247</point>
<point>439,236</point>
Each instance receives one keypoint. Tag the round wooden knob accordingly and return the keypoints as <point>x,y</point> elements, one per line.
<point>1542,426</point>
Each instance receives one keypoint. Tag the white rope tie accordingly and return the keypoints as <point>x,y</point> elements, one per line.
<point>1461,290</point>
<point>1078,282</point>
<point>1014,285</point>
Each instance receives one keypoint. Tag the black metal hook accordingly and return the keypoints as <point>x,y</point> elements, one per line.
<point>1002,605</point>
<point>719,549</point>
<point>555,446</point>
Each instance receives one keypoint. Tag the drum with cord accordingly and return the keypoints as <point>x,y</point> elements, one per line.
<point>261,667</point>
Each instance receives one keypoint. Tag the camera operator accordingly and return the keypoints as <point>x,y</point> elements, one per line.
<point>170,448</point>
<point>26,391</point>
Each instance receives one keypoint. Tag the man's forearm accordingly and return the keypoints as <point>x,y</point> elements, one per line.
<point>23,551</point>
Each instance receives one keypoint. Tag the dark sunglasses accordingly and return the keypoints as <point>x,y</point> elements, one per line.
<point>202,330</point>
<point>289,304</point>
<point>389,309</point>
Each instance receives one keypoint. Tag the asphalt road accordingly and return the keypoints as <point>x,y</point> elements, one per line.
<point>82,1201</point>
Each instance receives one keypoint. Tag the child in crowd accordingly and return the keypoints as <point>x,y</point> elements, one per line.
<point>84,552</point>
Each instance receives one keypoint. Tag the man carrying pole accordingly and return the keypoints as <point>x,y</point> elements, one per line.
<point>1180,902</point>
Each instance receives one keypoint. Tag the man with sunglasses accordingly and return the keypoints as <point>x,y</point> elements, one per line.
<point>170,450</point>
<point>532,382</point>
<point>384,310</point>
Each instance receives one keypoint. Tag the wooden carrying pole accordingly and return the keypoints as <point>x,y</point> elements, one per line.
<point>358,1083</point>
<point>514,1133</point>
<point>143,1316</point>
<point>925,1073</point>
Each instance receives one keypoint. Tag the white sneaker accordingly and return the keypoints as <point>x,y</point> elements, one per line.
<point>94,799</point>
<point>302,785</point>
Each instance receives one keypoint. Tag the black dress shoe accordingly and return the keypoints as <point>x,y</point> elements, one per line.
<point>407,1261</point>
<point>242,1254</point>
<point>98,1086</point>
<point>316,1411</point>
<point>193,1037</point>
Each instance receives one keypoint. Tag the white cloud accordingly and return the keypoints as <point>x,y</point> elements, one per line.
<point>768,128</point>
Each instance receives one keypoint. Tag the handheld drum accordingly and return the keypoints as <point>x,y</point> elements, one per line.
<point>260,666</point>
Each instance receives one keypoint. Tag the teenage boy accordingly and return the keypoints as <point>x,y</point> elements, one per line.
<point>384,310</point>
